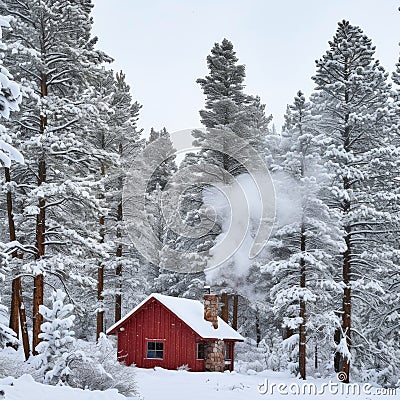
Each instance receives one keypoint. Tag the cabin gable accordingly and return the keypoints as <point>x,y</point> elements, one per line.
<point>155,323</point>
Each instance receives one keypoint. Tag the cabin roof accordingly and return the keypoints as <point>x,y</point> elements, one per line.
<point>189,311</point>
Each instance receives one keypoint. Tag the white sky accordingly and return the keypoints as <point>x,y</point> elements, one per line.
<point>162,46</point>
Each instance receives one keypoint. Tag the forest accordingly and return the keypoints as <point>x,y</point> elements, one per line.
<point>300,224</point>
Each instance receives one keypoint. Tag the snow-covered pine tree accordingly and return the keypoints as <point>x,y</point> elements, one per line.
<point>10,98</point>
<point>352,99</point>
<point>51,55</point>
<point>112,132</point>
<point>57,339</point>
<point>228,108</point>
<point>223,87</point>
<point>161,145</point>
<point>157,165</point>
<point>186,248</point>
<point>164,172</point>
<point>100,84</point>
<point>306,238</point>
<point>127,140</point>
<point>386,314</point>
<point>229,112</point>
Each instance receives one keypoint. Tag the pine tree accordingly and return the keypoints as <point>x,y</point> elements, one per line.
<point>228,108</point>
<point>236,128</point>
<point>234,120</point>
<point>112,134</point>
<point>223,87</point>
<point>166,169</point>
<point>352,99</point>
<point>124,125</point>
<point>10,98</point>
<point>306,238</point>
<point>145,217</point>
<point>183,255</point>
<point>57,339</point>
<point>385,314</point>
<point>51,55</point>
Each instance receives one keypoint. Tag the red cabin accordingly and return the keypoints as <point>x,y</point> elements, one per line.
<point>171,332</point>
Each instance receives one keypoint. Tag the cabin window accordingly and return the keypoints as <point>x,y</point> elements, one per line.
<point>155,350</point>
<point>200,351</point>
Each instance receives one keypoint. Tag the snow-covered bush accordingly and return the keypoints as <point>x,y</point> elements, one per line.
<point>6,334</point>
<point>100,371</point>
<point>57,339</point>
<point>267,355</point>
<point>12,363</point>
<point>385,377</point>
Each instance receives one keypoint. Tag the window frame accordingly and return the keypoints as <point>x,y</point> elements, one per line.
<point>198,344</point>
<point>155,350</point>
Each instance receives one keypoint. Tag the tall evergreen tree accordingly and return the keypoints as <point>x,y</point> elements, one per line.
<point>10,98</point>
<point>306,239</point>
<point>181,266</point>
<point>127,140</point>
<point>223,87</point>
<point>163,149</point>
<point>352,98</point>
<point>228,108</point>
<point>52,53</point>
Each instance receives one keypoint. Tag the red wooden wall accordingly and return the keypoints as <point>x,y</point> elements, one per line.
<point>154,321</point>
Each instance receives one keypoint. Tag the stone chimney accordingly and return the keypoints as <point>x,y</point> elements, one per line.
<point>211,309</point>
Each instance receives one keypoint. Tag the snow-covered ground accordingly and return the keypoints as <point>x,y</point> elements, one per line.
<point>26,388</point>
<point>161,384</point>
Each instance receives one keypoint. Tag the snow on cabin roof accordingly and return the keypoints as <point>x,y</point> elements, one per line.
<point>192,313</point>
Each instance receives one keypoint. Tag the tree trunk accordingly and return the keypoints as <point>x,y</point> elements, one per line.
<point>225,307</point>
<point>14,309</point>
<point>118,296</point>
<point>235,311</point>
<point>100,298</point>
<point>100,271</point>
<point>302,314</point>
<point>346,316</point>
<point>337,357</point>
<point>118,270</point>
<point>37,317</point>
<point>24,328</point>
<point>40,234</point>
<point>346,206</point>
<point>258,328</point>
<point>38,280</point>
<point>17,308</point>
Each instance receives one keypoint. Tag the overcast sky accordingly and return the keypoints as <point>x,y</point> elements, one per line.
<point>162,46</point>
